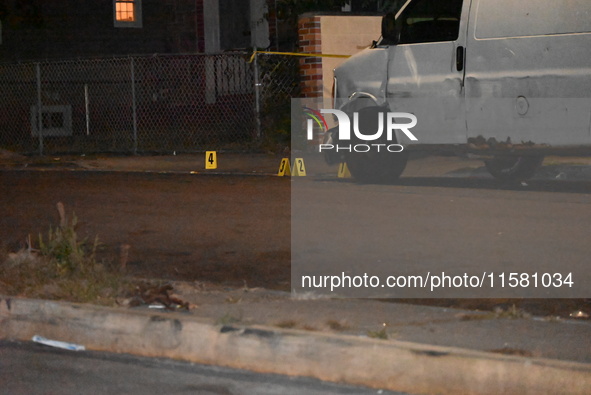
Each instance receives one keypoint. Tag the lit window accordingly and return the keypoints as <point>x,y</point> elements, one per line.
<point>125,11</point>
<point>128,13</point>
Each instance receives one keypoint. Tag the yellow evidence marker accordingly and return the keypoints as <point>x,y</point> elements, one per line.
<point>211,161</point>
<point>284,168</point>
<point>298,168</point>
<point>343,171</point>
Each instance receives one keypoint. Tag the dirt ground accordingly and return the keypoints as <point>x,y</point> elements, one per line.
<point>222,229</point>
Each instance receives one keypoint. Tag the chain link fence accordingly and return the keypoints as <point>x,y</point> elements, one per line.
<point>159,103</point>
<point>278,83</point>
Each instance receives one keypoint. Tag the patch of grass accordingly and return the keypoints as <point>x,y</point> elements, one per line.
<point>228,319</point>
<point>513,351</point>
<point>232,300</point>
<point>64,267</point>
<point>309,328</point>
<point>337,326</point>
<point>64,250</point>
<point>511,313</point>
<point>381,334</point>
<point>475,317</point>
<point>287,324</point>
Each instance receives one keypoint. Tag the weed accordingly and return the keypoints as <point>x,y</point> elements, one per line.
<point>287,324</point>
<point>309,328</point>
<point>337,326</point>
<point>63,267</point>
<point>232,300</point>
<point>475,316</point>
<point>381,334</point>
<point>66,251</point>
<point>511,313</point>
<point>513,351</point>
<point>228,319</point>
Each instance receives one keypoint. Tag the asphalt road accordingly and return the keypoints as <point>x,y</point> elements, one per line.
<point>28,368</point>
<point>471,238</point>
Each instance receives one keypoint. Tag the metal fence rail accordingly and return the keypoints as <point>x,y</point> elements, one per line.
<point>136,104</point>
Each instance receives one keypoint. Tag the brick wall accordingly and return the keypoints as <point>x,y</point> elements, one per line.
<point>331,34</point>
<point>310,67</point>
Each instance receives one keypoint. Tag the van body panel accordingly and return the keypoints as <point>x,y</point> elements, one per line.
<point>510,18</point>
<point>531,90</point>
<point>431,90</point>
<point>424,77</point>
<point>363,75</point>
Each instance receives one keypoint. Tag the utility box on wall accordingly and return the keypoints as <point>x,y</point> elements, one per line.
<point>55,120</point>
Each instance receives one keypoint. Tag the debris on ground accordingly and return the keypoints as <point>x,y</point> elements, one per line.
<point>58,344</point>
<point>154,295</point>
<point>579,314</point>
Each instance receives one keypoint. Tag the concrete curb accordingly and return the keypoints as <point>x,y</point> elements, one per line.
<point>393,365</point>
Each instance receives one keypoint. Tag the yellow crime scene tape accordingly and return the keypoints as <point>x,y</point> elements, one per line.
<point>318,55</point>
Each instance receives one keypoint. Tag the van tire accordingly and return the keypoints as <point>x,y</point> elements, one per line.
<point>514,168</point>
<point>377,167</point>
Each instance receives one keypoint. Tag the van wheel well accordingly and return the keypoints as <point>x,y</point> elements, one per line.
<point>380,164</point>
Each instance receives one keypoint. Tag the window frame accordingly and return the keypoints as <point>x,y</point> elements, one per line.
<point>405,36</point>
<point>137,13</point>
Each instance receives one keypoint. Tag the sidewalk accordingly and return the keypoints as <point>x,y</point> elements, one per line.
<point>417,349</point>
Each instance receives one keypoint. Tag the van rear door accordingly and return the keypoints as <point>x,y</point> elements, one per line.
<point>426,69</point>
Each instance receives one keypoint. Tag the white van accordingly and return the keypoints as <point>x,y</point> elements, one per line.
<point>506,79</point>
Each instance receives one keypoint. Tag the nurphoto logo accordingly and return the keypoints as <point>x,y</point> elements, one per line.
<point>345,132</point>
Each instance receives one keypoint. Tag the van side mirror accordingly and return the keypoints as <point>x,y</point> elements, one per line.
<point>389,30</point>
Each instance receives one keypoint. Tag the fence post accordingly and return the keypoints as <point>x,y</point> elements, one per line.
<point>257,95</point>
<point>133,106</point>
<point>86,109</point>
<point>39,109</point>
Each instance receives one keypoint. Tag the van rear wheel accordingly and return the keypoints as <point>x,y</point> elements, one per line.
<point>514,168</point>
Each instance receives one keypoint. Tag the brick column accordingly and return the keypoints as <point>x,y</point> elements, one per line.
<point>310,67</point>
